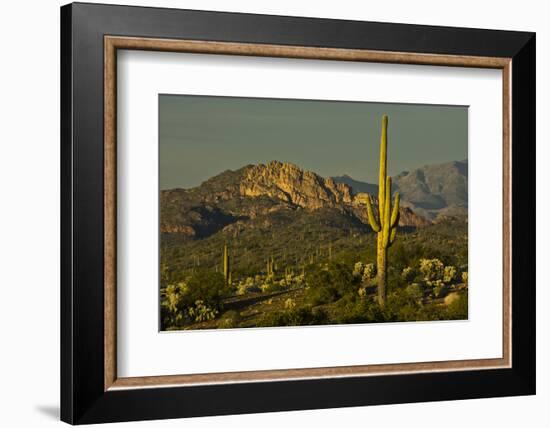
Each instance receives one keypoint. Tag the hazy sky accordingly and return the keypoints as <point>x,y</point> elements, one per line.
<point>201,136</point>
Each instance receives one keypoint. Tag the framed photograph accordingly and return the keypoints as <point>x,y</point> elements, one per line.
<point>266,213</point>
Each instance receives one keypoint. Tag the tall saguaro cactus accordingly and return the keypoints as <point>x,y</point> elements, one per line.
<point>385,221</point>
<point>226,267</point>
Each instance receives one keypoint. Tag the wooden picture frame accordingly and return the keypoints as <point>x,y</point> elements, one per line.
<point>91,390</point>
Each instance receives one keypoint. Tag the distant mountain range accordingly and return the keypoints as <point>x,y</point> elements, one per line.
<point>432,191</point>
<point>282,195</point>
<point>269,196</point>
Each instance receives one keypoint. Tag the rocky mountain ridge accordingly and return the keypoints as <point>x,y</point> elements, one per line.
<point>232,199</point>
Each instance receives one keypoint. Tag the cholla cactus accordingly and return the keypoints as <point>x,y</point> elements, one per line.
<point>290,303</point>
<point>200,312</point>
<point>300,280</point>
<point>465,277</point>
<point>369,272</point>
<point>362,292</point>
<point>247,286</point>
<point>173,295</point>
<point>358,269</point>
<point>432,270</point>
<point>385,223</point>
<point>449,273</point>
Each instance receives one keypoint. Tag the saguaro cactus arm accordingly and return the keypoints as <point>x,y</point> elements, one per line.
<point>372,218</point>
<point>392,236</point>
<point>395,213</point>
<point>387,212</point>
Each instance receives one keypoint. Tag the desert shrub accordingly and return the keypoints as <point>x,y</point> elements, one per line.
<point>230,319</point>
<point>271,287</point>
<point>352,309</point>
<point>330,284</point>
<point>200,312</point>
<point>431,313</point>
<point>415,291</point>
<point>293,317</point>
<point>290,303</point>
<point>408,274</point>
<point>321,295</point>
<point>173,296</point>
<point>206,286</point>
<point>249,285</point>
<point>319,314</point>
<point>172,304</point>
<point>401,305</point>
<point>299,280</point>
<point>449,274</point>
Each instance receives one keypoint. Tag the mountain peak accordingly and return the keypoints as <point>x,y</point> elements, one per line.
<point>290,183</point>
<point>257,194</point>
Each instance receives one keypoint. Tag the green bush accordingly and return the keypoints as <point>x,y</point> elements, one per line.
<point>415,291</point>
<point>230,319</point>
<point>196,300</point>
<point>207,286</point>
<point>328,285</point>
<point>408,273</point>
<point>293,317</point>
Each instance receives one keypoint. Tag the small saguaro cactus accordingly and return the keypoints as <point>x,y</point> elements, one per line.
<point>385,221</point>
<point>226,267</point>
<point>270,267</point>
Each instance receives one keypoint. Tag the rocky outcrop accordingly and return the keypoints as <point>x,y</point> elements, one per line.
<point>289,183</point>
<point>177,228</point>
<point>231,199</point>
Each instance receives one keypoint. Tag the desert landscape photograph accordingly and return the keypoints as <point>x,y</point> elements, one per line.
<point>286,212</point>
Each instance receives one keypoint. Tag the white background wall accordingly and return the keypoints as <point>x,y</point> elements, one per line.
<point>29,214</point>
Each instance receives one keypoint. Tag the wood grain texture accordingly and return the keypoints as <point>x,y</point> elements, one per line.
<point>296,374</point>
<point>507,213</point>
<point>112,43</point>
<point>110,220</point>
<point>249,49</point>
